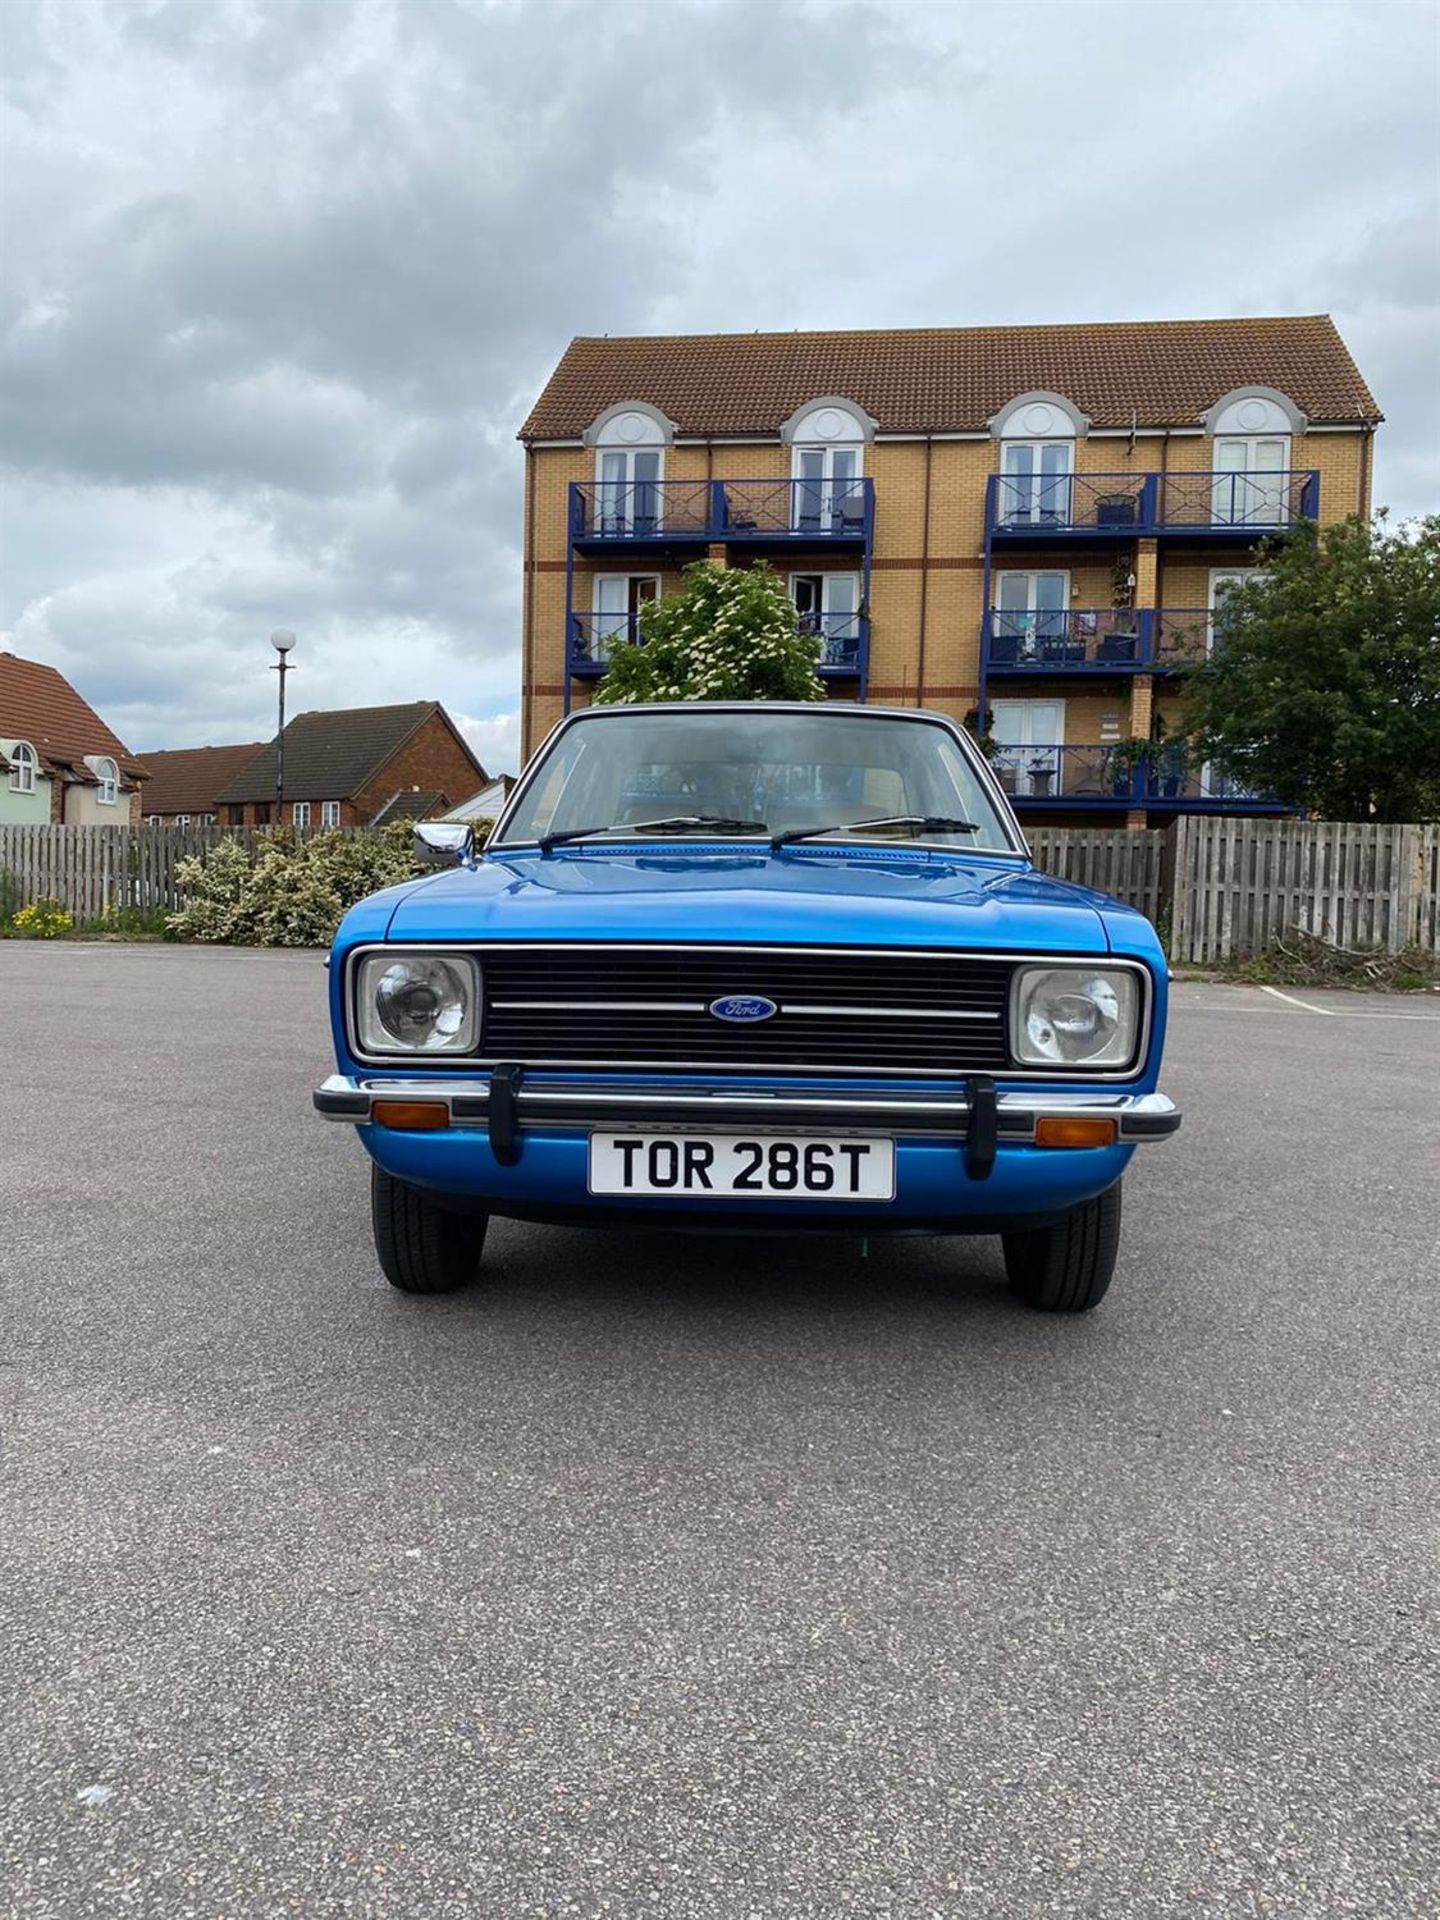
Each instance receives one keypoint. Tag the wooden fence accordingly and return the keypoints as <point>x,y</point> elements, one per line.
<point>1230,886</point>
<point>91,869</point>
<point>1239,885</point>
<point>1130,866</point>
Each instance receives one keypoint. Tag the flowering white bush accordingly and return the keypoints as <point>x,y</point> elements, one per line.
<point>289,892</point>
<point>730,634</point>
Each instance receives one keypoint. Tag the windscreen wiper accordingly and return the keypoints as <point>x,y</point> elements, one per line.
<point>924,822</point>
<point>672,823</point>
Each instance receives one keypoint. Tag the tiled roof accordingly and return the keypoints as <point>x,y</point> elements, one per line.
<point>40,705</point>
<point>187,779</point>
<point>410,804</point>
<point>1156,373</point>
<point>332,756</point>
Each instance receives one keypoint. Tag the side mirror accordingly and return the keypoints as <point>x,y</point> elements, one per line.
<point>444,843</point>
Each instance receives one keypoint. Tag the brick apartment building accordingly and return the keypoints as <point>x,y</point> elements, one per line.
<point>1033,523</point>
<point>359,767</point>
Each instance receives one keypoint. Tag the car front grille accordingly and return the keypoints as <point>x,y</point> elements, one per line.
<point>875,1013</point>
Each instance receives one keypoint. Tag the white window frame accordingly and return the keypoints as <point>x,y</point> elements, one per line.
<point>1032,576</point>
<point>827,427</point>
<point>1219,576</point>
<point>825,575</point>
<point>329,813</point>
<point>299,813</point>
<point>1223,501</point>
<point>108,784</point>
<point>181,820</point>
<point>24,767</point>
<point>600,638</point>
<point>1054,763</point>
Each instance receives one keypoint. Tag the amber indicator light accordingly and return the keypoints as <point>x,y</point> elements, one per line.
<point>1056,1130</point>
<point>411,1116</point>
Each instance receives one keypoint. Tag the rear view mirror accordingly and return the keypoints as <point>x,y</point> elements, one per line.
<point>442,843</point>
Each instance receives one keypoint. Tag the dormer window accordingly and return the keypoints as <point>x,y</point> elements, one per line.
<point>630,441</point>
<point>1252,429</point>
<point>23,762</point>
<point>1037,434</point>
<point>827,458</point>
<point>107,780</point>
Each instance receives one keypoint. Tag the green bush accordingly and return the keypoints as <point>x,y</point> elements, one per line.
<point>289,892</point>
<point>731,633</point>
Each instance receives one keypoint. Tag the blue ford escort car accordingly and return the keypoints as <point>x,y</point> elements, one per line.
<point>758,965</point>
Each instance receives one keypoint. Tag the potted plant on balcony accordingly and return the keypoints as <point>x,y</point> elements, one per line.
<point>984,738</point>
<point>1123,759</point>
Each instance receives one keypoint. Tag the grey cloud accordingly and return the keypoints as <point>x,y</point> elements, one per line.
<point>286,273</point>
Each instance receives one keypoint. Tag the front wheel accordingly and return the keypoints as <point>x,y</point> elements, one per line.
<point>1066,1268</point>
<point>422,1247</point>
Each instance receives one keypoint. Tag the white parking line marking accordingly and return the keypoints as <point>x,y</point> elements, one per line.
<point>1304,1005</point>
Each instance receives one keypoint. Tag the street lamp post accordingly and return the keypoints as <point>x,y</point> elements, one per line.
<point>282,640</point>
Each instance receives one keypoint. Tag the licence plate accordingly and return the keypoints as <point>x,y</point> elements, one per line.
<point>738,1166</point>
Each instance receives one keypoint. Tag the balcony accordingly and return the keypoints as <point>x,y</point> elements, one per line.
<point>610,514</point>
<point>1110,776</point>
<point>1096,640</point>
<point>842,642</point>
<point>1109,506</point>
<point>594,636</point>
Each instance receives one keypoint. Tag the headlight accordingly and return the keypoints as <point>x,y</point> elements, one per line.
<point>1075,1016</point>
<point>418,1003</point>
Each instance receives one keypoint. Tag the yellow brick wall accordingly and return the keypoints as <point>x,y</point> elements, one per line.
<point>949,587</point>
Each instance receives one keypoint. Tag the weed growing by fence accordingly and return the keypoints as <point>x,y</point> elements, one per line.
<point>1302,960</point>
<point>42,920</point>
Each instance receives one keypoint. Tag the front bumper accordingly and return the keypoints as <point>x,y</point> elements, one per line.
<point>551,1104</point>
<point>966,1159</point>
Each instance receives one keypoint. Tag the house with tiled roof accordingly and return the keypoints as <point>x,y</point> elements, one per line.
<point>59,762</point>
<point>185,782</point>
<point>1031,526</point>
<point>352,768</point>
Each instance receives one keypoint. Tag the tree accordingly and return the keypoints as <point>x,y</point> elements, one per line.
<point>730,634</point>
<point>1324,685</point>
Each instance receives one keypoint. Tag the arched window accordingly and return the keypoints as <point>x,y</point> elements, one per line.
<point>107,775</point>
<point>1037,434</point>
<point>1251,429</point>
<point>630,441</point>
<point>23,762</point>
<point>827,439</point>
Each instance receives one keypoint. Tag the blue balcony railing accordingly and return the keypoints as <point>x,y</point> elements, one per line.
<point>1092,774</point>
<point>1252,502</point>
<point>798,512</point>
<point>1066,640</point>
<point>1125,504</point>
<point>1183,636</point>
<point>842,641</point>
<point>1096,639</point>
<point>594,637</point>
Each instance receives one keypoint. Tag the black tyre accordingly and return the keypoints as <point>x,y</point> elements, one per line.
<point>423,1248</point>
<point>1067,1268</point>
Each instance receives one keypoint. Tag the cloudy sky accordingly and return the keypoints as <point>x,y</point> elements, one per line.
<point>283,275</point>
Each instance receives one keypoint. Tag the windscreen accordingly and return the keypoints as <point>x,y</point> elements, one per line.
<point>782,771</point>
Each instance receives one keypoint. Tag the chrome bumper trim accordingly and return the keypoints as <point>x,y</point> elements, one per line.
<point>1141,1116</point>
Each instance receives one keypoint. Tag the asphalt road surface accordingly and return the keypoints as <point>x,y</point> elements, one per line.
<point>671,1577</point>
